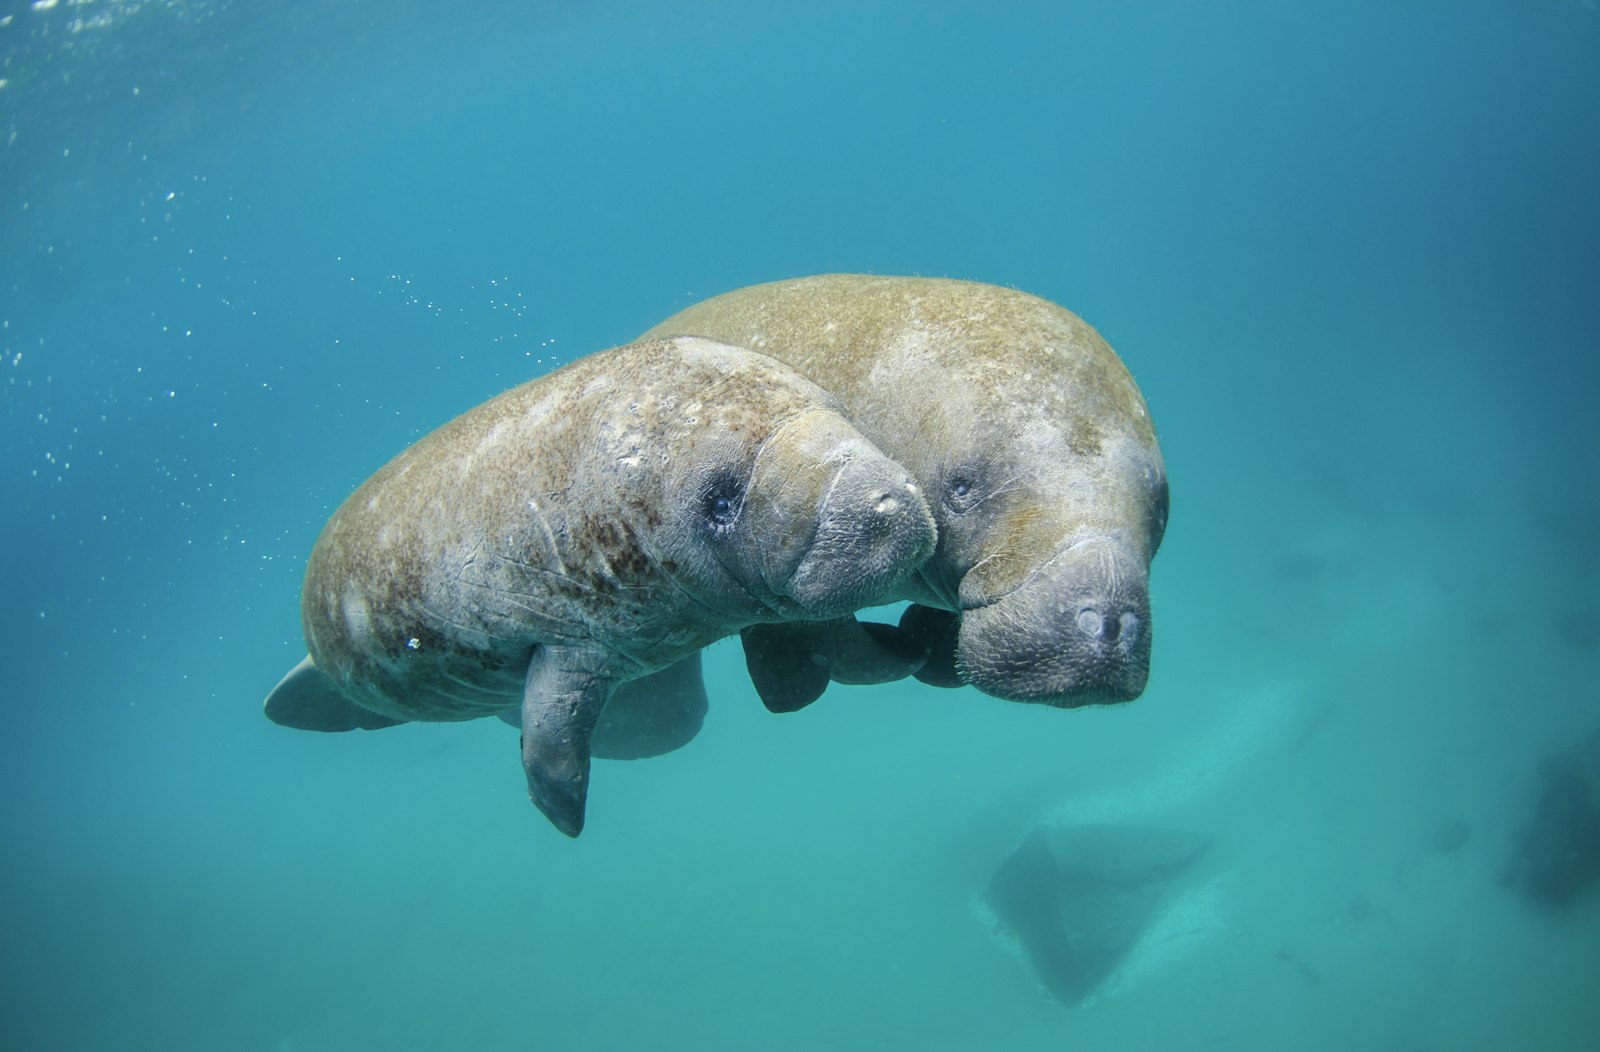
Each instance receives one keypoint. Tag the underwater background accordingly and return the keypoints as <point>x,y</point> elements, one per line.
<point>1350,252</point>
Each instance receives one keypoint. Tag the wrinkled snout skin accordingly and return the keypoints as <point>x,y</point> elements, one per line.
<point>1075,633</point>
<point>848,524</point>
<point>877,525</point>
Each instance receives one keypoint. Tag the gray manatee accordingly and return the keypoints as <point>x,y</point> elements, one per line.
<point>1036,453</point>
<point>596,525</point>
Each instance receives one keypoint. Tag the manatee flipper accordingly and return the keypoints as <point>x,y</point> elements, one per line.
<point>654,714</point>
<point>561,704</point>
<point>792,664</point>
<point>782,667</point>
<point>866,652</point>
<point>933,633</point>
<point>307,700</point>
<point>648,716</point>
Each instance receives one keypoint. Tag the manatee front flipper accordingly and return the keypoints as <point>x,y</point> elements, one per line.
<point>866,652</point>
<point>654,714</point>
<point>648,716</point>
<point>791,664</point>
<point>781,666</point>
<point>306,699</point>
<point>561,703</point>
<point>932,633</point>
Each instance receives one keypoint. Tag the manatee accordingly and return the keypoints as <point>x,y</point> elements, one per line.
<point>1036,453</point>
<point>588,528</point>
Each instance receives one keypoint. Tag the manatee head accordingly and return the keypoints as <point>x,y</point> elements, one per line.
<point>773,504</point>
<point>1051,499</point>
<point>1074,629</point>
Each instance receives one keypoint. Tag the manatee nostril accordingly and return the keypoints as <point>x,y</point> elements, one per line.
<point>887,505</point>
<point>1090,623</point>
<point>1129,628</point>
<point>1122,629</point>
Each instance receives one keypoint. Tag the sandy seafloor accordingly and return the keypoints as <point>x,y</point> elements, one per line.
<point>1351,253</point>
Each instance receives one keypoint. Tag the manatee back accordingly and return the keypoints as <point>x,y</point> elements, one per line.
<point>879,342</point>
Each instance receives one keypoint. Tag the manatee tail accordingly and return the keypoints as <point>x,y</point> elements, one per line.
<point>306,699</point>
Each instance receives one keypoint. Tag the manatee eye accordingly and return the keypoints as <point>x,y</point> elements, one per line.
<point>959,493</point>
<point>720,502</point>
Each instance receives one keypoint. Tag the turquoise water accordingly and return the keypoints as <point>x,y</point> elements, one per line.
<point>1351,253</point>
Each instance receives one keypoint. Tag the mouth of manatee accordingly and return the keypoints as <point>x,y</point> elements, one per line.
<point>1075,631</point>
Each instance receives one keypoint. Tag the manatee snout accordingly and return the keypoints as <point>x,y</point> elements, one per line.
<point>1077,632</point>
<point>873,528</point>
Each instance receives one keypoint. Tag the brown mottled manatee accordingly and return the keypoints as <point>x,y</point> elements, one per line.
<point>588,528</point>
<point>1035,450</point>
